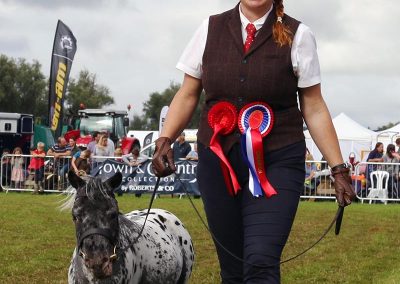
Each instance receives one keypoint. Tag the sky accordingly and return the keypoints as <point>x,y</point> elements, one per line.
<point>133,46</point>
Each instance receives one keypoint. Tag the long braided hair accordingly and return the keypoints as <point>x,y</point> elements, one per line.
<point>281,32</point>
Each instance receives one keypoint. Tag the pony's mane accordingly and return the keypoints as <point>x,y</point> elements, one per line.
<point>94,189</point>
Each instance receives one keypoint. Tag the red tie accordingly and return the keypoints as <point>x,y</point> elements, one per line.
<point>251,32</point>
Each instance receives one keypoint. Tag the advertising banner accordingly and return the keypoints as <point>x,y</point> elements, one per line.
<point>141,179</point>
<point>64,49</point>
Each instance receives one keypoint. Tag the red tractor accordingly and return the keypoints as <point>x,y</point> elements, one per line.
<point>115,122</point>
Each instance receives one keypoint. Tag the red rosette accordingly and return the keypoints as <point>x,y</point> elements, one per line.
<point>222,117</point>
<point>256,115</point>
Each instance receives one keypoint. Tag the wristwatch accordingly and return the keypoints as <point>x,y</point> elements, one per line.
<point>341,166</point>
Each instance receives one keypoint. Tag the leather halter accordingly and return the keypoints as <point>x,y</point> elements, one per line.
<point>105,232</point>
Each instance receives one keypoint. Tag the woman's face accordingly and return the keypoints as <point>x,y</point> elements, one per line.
<point>256,5</point>
<point>380,148</point>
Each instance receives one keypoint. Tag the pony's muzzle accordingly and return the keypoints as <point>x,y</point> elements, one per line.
<point>101,267</point>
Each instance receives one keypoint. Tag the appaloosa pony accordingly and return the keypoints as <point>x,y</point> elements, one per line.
<point>109,248</point>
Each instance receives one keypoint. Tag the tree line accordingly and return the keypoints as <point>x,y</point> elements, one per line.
<point>25,89</point>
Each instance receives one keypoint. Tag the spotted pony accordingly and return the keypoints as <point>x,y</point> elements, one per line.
<point>109,248</point>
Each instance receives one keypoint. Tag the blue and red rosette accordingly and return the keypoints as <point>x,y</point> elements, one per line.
<point>255,122</point>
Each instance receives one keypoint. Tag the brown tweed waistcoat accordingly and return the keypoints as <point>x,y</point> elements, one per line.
<point>265,74</point>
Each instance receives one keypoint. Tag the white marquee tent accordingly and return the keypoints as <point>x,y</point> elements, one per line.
<point>390,135</point>
<point>353,137</point>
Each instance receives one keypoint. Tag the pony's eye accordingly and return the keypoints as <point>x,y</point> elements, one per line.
<point>114,215</point>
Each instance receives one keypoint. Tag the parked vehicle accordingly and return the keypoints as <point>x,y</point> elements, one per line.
<point>190,136</point>
<point>113,121</point>
<point>16,130</point>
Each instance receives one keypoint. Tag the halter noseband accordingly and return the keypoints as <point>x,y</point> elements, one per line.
<point>107,233</point>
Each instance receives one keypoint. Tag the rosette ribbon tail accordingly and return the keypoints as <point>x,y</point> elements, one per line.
<point>253,152</point>
<point>230,178</point>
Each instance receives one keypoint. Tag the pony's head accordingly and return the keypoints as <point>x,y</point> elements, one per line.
<point>95,214</point>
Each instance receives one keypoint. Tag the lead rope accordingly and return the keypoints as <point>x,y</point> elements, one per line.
<point>148,209</point>
<point>338,215</point>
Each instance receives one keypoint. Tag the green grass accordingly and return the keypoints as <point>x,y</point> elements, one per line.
<point>37,240</point>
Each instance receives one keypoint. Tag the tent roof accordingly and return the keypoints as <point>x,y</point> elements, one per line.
<point>348,129</point>
<point>395,130</point>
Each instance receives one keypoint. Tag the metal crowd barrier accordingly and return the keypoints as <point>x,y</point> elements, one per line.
<point>377,182</point>
<point>55,173</point>
<point>320,186</point>
<point>373,182</point>
<point>17,175</point>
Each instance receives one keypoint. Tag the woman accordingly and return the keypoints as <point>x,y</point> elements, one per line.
<point>248,80</point>
<point>134,158</point>
<point>101,150</point>
<point>393,170</point>
<point>81,164</point>
<point>375,156</point>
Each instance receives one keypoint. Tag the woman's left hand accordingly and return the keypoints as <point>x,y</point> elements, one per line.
<point>344,188</point>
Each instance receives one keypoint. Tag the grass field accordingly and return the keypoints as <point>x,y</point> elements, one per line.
<point>37,241</point>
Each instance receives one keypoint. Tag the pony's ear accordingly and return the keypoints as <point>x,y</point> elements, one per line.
<point>75,180</point>
<point>115,180</point>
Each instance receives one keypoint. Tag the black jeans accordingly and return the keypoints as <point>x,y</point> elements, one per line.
<point>255,229</point>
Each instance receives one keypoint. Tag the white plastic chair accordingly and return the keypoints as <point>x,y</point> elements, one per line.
<point>380,189</point>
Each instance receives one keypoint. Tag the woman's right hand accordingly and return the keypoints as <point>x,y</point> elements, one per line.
<point>163,158</point>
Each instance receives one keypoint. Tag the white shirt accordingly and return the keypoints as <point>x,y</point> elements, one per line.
<point>303,53</point>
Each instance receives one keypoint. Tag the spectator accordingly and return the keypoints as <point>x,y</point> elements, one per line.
<point>397,154</point>
<point>134,158</point>
<point>6,168</point>
<point>193,155</point>
<point>118,153</point>
<point>375,156</point>
<point>393,170</point>
<point>74,151</point>
<point>60,151</point>
<point>37,164</point>
<point>110,143</point>
<point>95,140</point>
<point>310,182</point>
<point>17,164</point>
<point>181,147</point>
<point>102,150</point>
<point>81,165</point>
<point>72,146</point>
